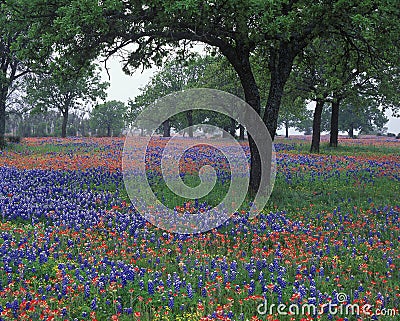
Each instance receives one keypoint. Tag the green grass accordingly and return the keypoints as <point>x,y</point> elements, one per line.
<point>343,149</point>
<point>329,194</point>
<point>170,199</point>
<point>50,148</point>
<point>301,191</point>
<point>321,194</point>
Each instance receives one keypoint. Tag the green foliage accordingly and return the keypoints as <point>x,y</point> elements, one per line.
<point>108,119</point>
<point>11,66</point>
<point>305,125</point>
<point>49,123</point>
<point>219,74</point>
<point>64,89</point>
<point>347,42</point>
<point>293,111</point>
<point>363,117</point>
<point>177,75</point>
<point>278,30</point>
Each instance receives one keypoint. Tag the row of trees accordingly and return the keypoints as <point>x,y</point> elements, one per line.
<point>194,72</point>
<point>107,119</point>
<point>331,49</point>
<point>50,91</point>
<point>364,119</point>
<point>360,114</point>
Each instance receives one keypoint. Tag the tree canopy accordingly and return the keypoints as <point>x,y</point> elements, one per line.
<point>108,119</point>
<point>144,32</point>
<point>357,114</point>
<point>64,91</point>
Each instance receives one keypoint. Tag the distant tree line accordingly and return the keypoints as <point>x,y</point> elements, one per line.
<point>48,104</point>
<point>107,119</point>
<point>357,112</point>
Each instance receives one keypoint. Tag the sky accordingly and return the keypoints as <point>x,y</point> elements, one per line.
<point>124,87</point>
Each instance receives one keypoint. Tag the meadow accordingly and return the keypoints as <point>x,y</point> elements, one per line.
<point>73,247</point>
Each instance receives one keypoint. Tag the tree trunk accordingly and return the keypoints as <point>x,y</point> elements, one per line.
<point>189,117</point>
<point>232,128</point>
<point>109,131</point>
<point>351,132</point>
<point>241,132</point>
<point>240,61</point>
<point>3,96</point>
<point>166,128</point>
<point>9,79</point>
<point>64,124</point>
<point>334,134</point>
<point>280,66</point>
<point>273,103</point>
<point>252,97</point>
<point>316,135</point>
<point>286,129</point>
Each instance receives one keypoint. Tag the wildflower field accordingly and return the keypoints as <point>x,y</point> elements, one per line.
<point>72,246</point>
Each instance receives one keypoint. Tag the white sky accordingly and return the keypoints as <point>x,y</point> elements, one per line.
<point>124,87</point>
